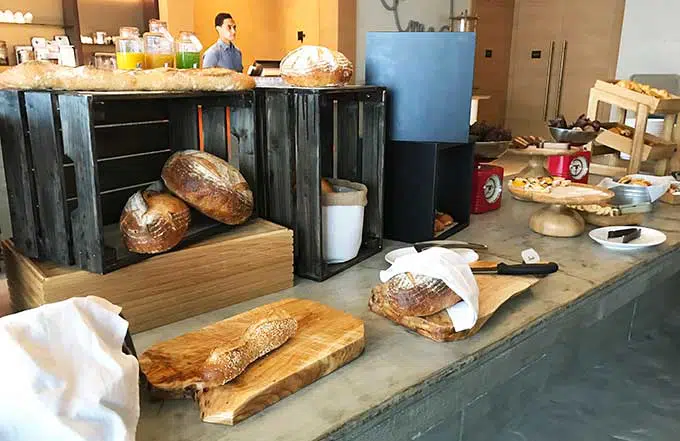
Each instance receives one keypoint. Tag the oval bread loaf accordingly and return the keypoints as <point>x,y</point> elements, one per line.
<point>153,222</point>
<point>417,295</point>
<point>316,66</point>
<point>210,185</point>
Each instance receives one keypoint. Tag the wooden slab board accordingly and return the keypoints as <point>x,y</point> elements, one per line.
<point>326,339</point>
<point>493,292</point>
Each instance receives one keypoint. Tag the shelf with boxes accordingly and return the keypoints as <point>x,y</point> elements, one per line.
<point>72,160</point>
<point>309,134</point>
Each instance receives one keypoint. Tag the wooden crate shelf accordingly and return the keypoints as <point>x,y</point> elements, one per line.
<point>242,264</point>
<point>654,148</point>
<point>72,159</point>
<point>297,148</point>
<point>643,105</point>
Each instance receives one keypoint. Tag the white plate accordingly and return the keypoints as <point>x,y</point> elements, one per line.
<point>648,238</point>
<point>469,255</point>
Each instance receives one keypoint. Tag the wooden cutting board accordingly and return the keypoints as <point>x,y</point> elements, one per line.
<point>493,292</point>
<point>326,339</point>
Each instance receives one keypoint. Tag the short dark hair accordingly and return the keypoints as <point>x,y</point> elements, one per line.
<point>219,18</point>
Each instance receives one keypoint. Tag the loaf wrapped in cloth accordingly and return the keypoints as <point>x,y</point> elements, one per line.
<point>452,269</point>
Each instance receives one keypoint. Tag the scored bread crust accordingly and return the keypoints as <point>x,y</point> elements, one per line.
<point>211,185</point>
<point>316,66</point>
<point>41,75</point>
<point>153,222</point>
<point>417,295</point>
<point>185,365</point>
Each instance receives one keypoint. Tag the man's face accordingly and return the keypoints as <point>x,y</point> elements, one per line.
<point>228,30</point>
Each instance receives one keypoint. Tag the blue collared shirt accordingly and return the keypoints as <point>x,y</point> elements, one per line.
<point>225,55</point>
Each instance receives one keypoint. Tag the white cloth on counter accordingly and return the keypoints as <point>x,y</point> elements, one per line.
<point>65,376</point>
<point>449,267</point>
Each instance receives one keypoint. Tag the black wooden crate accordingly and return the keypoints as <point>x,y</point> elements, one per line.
<point>72,159</point>
<point>421,178</point>
<point>297,129</point>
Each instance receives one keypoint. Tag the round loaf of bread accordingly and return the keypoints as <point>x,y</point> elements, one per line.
<point>316,66</point>
<point>153,222</point>
<point>209,184</point>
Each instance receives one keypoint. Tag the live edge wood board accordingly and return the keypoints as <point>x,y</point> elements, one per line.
<point>326,339</point>
<point>247,262</point>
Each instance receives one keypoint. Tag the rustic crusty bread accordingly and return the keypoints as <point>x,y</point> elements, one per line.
<point>41,75</point>
<point>209,184</point>
<point>153,222</point>
<point>315,66</point>
<point>202,359</point>
<point>417,295</point>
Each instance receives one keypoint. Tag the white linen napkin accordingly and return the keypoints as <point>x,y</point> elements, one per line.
<point>65,376</point>
<point>449,267</point>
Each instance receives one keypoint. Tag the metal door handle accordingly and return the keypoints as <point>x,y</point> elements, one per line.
<point>561,79</point>
<point>547,81</point>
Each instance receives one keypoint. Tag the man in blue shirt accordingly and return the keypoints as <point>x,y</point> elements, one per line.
<point>224,53</point>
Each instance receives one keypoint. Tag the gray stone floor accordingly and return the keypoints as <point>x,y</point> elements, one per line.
<point>631,393</point>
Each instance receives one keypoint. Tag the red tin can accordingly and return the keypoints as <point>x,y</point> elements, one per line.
<point>487,188</point>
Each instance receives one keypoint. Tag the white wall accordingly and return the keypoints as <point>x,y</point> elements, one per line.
<point>372,16</point>
<point>650,40</point>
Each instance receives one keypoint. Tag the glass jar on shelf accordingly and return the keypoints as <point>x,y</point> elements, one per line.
<point>188,51</point>
<point>159,46</point>
<point>129,49</point>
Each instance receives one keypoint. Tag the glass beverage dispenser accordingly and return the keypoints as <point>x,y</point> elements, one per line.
<point>188,55</point>
<point>129,49</point>
<point>158,46</point>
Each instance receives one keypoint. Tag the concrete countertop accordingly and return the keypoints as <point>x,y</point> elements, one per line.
<point>398,364</point>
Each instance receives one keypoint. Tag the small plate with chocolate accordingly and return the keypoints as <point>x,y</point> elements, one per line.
<point>627,237</point>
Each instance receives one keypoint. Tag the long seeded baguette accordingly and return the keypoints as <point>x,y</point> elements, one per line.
<point>180,367</point>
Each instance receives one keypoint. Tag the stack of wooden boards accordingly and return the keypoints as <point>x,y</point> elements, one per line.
<point>251,261</point>
<point>190,365</point>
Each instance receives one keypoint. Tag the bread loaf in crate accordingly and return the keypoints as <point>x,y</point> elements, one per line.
<point>209,184</point>
<point>153,222</point>
<point>316,66</point>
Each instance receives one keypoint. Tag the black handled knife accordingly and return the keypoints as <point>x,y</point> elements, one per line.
<point>420,246</point>
<point>523,269</point>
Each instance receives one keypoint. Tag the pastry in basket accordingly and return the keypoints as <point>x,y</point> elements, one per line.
<point>316,66</point>
<point>631,180</point>
<point>153,222</point>
<point>623,131</point>
<point>645,89</point>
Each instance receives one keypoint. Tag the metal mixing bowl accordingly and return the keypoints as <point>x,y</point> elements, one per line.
<point>573,137</point>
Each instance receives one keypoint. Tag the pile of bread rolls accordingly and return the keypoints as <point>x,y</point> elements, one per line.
<point>316,66</point>
<point>41,75</point>
<point>155,220</point>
